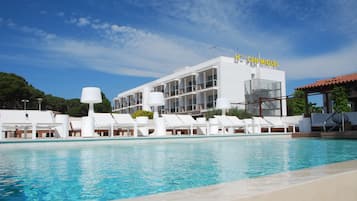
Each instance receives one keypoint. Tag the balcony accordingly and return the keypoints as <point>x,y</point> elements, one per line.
<point>211,83</point>
<point>210,105</point>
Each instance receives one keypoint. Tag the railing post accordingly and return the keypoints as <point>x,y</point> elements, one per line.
<point>343,122</point>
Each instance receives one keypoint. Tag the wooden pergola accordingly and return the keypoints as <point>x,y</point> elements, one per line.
<point>325,87</point>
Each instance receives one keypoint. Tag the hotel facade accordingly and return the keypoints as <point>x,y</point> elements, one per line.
<point>249,83</point>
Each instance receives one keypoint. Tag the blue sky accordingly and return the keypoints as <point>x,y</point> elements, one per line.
<point>62,46</point>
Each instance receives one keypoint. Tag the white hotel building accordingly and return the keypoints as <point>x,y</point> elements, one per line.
<point>249,83</point>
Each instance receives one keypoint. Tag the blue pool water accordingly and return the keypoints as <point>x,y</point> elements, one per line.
<point>120,169</point>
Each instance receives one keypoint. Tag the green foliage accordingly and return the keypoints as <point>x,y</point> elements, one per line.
<point>104,106</point>
<point>211,113</point>
<point>296,105</point>
<point>14,88</point>
<point>76,108</point>
<point>54,103</point>
<point>314,109</point>
<point>142,113</point>
<point>242,114</point>
<point>340,99</point>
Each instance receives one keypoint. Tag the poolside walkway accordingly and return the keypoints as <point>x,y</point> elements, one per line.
<point>122,138</point>
<point>329,183</point>
<point>330,135</point>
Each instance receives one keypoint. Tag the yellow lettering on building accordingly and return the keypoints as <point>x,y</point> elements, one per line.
<point>256,60</point>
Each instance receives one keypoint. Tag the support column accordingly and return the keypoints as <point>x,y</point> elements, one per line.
<point>327,103</point>
<point>135,132</point>
<point>33,131</point>
<point>1,135</point>
<point>306,105</point>
<point>111,130</point>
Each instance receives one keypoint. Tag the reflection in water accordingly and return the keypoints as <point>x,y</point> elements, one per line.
<point>122,170</point>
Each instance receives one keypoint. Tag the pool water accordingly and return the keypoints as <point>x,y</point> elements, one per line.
<point>121,169</point>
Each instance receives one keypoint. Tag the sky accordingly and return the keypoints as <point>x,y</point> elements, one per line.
<point>61,46</point>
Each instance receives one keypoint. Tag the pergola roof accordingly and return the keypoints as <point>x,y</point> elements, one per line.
<point>328,83</point>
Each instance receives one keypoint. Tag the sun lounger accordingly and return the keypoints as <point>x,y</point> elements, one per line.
<point>143,126</point>
<point>189,120</point>
<point>277,122</point>
<point>238,123</point>
<point>174,123</point>
<point>293,121</point>
<point>229,123</point>
<point>75,126</point>
<point>125,121</point>
<point>11,120</point>
<point>203,125</point>
<point>213,126</point>
<point>104,121</point>
<point>261,123</point>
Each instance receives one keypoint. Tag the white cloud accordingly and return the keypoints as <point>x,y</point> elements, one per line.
<point>82,21</point>
<point>122,50</point>
<point>235,21</point>
<point>37,32</point>
<point>326,65</point>
<point>60,14</point>
<point>97,25</point>
<point>230,24</point>
<point>144,55</point>
<point>30,30</point>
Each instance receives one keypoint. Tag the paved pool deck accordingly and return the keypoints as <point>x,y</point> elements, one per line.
<point>328,183</point>
<point>125,138</point>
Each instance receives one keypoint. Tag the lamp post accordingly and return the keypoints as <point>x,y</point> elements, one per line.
<point>90,95</point>
<point>156,99</point>
<point>39,103</point>
<point>25,101</point>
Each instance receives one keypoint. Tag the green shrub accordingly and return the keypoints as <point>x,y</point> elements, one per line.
<point>211,113</point>
<point>143,113</point>
<point>242,114</point>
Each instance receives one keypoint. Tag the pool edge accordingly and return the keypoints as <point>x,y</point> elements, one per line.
<point>335,181</point>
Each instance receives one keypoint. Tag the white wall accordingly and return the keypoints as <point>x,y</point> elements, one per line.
<point>231,78</point>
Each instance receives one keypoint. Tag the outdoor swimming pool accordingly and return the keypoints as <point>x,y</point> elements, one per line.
<point>123,169</point>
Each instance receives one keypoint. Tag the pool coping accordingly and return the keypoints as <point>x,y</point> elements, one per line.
<point>166,137</point>
<point>262,187</point>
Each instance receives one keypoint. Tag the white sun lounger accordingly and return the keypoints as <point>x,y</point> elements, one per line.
<point>277,122</point>
<point>104,121</point>
<point>125,121</point>
<point>189,120</point>
<point>213,126</point>
<point>173,122</point>
<point>238,123</point>
<point>10,120</point>
<point>230,123</point>
<point>75,126</point>
<point>260,123</point>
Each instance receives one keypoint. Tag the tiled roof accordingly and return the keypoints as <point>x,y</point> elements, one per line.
<point>344,79</point>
